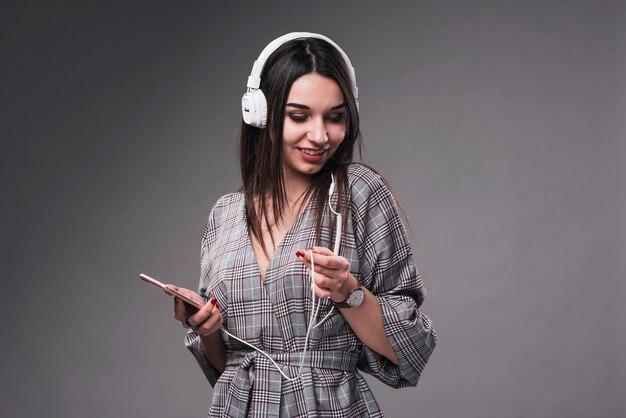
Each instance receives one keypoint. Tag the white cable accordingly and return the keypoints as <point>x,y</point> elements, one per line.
<point>338,226</point>
<point>315,302</point>
<point>315,307</point>
<point>264,353</point>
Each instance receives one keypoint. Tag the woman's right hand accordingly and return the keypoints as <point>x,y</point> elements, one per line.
<point>203,321</point>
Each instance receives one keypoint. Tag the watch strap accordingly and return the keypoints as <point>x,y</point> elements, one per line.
<point>341,304</point>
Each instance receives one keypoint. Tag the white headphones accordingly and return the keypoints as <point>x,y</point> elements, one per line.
<point>254,103</point>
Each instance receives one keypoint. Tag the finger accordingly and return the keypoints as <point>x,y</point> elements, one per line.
<point>172,288</point>
<point>212,324</point>
<point>321,251</point>
<point>167,288</point>
<point>181,316</point>
<point>336,274</point>
<point>186,323</point>
<point>180,311</point>
<point>317,251</point>
<point>340,275</point>
<point>203,313</point>
<point>190,294</point>
<point>330,260</point>
<point>321,292</point>
<point>305,258</point>
<point>327,283</point>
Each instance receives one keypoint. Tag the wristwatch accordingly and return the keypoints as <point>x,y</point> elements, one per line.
<point>354,299</point>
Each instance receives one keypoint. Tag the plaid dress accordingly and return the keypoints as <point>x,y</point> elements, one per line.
<point>273,315</point>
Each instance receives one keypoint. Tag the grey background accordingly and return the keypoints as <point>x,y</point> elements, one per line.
<point>500,123</point>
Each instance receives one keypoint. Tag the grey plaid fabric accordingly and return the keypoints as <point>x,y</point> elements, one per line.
<point>273,315</point>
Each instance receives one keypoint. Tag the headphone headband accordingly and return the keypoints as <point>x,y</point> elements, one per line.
<point>254,80</point>
<point>254,105</point>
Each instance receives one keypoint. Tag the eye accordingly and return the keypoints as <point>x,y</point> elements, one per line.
<point>336,117</point>
<point>297,117</point>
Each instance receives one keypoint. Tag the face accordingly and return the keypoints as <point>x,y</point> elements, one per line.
<point>314,126</point>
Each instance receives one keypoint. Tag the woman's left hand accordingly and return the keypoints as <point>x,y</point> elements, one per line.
<point>332,273</point>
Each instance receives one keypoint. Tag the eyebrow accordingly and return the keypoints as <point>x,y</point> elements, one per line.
<point>305,107</point>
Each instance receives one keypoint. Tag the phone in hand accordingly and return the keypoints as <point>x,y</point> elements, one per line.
<point>170,291</point>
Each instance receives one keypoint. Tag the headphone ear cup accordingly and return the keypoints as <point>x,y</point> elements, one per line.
<point>254,108</point>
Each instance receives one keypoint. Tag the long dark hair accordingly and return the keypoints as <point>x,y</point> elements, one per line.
<point>260,150</point>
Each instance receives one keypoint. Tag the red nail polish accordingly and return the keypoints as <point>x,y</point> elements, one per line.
<point>213,301</point>
<point>217,306</point>
<point>300,253</point>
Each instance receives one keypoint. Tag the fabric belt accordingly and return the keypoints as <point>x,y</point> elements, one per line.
<point>254,369</point>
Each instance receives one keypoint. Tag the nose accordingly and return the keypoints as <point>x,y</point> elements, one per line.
<point>317,132</point>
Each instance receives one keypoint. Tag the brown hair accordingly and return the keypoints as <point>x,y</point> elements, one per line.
<point>260,150</point>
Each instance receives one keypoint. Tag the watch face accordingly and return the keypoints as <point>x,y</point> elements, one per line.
<point>356,298</point>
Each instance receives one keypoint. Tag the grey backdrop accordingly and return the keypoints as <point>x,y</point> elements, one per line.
<point>500,123</point>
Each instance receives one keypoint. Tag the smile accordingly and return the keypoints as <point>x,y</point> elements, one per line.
<point>312,151</point>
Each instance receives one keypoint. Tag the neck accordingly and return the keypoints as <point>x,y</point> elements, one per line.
<point>295,186</point>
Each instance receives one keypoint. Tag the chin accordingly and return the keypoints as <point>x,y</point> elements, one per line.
<point>312,170</point>
<point>305,170</point>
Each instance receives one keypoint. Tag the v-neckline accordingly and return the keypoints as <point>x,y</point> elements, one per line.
<point>250,244</point>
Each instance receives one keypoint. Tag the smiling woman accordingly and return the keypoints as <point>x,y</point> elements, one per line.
<point>286,323</point>
<point>314,127</point>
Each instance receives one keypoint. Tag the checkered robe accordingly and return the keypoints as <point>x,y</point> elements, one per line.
<point>273,315</point>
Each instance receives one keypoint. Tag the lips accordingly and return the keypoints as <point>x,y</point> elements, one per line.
<point>312,155</point>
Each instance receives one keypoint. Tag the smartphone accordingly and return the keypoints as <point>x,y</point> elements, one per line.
<point>170,291</point>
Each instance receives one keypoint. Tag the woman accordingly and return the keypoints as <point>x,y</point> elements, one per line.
<point>288,321</point>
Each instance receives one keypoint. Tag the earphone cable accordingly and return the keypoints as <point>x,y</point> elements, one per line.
<point>314,312</point>
<point>315,302</point>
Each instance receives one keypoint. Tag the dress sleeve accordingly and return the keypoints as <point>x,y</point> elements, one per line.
<point>192,339</point>
<point>387,269</point>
